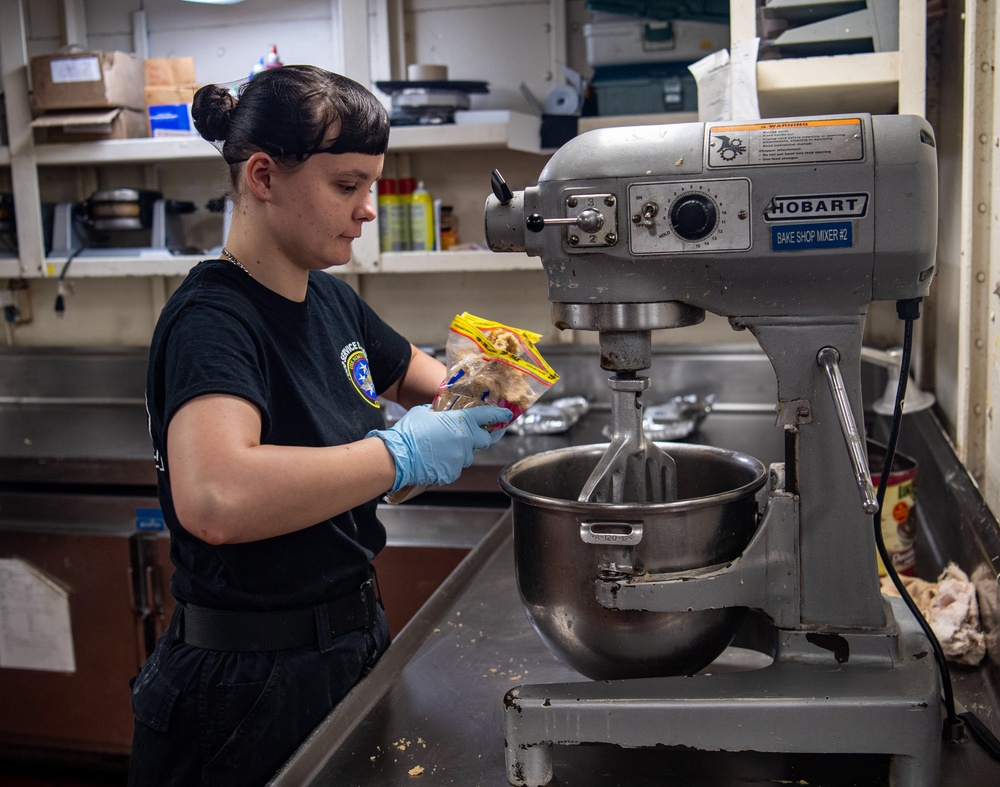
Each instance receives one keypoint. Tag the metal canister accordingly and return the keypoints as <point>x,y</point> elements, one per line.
<point>899,524</point>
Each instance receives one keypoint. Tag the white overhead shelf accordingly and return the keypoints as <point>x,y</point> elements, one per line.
<point>502,129</point>
<point>512,130</point>
<point>159,264</point>
<point>126,151</point>
<point>455,261</point>
<point>147,265</point>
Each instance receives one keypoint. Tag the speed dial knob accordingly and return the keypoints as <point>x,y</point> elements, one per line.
<point>693,216</point>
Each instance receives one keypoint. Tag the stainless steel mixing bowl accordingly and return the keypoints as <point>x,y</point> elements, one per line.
<point>711,522</point>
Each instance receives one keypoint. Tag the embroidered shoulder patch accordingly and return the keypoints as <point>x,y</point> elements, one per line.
<point>355,363</point>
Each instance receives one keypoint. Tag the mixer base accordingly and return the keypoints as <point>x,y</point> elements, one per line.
<point>862,706</point>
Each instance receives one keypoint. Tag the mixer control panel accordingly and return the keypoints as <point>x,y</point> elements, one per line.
<point>689,216</point>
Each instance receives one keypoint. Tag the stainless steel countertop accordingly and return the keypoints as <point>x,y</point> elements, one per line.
<point>435,702</point>
<point>74,422</point>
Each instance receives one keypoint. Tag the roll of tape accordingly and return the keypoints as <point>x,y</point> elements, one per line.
<point>421,72</point>
<point>562,100</point>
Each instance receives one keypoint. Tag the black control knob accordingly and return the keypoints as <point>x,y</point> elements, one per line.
<point>693,216</point>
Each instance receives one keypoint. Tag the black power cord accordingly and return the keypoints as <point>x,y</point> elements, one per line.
<point>955,723</point>
<point>60,305</point>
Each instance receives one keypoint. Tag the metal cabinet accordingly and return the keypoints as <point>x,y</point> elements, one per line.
<point>113,582</point>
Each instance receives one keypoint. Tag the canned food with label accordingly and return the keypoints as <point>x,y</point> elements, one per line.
<point>899,523</point>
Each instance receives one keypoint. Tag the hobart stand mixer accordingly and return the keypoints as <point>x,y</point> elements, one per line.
<point>638,563</point>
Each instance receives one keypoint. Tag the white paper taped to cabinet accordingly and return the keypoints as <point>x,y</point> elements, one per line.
<point>35,630</point>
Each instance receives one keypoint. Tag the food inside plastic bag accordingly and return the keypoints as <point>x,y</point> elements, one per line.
<point>488,363</point>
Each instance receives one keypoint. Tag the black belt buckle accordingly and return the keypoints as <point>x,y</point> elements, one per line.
<point>348,613</point>
<point>368,591</point>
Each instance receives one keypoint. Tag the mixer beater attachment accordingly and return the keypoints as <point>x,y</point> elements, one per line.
<point>634,469</point>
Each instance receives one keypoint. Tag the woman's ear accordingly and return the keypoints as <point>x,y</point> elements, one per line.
<point>257,173</point>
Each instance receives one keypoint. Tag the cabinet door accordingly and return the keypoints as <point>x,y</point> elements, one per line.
<point>87,709</point>
<point>409,575</point>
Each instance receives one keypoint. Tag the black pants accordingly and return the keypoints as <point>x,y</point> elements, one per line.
<point>217,719</point>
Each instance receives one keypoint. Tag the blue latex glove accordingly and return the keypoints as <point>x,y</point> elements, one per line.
<point>431,448</point>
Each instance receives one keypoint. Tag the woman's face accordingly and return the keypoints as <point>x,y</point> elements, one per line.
<point>322,205</point>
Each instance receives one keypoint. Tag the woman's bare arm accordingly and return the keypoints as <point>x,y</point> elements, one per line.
<point>419,382</point>
<point>228,488</point>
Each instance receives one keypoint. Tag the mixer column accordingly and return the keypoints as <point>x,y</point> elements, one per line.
<point>626,351</point>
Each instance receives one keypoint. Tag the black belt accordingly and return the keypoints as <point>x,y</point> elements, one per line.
<point>230,630</point>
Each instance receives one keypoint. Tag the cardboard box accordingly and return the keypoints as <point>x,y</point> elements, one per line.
<point>170,71</point>
<point>171,120</point>
<point>87,80</point>
<point>169,94</point>
<point>117,123</point>
<point>170,89</point>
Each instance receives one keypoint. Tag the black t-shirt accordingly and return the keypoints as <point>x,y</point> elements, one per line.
<point>313,369</point>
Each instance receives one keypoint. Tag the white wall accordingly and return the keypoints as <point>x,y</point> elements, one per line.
<point>225,40</point>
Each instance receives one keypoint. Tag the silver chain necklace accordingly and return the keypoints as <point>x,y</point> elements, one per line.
<point>232,258</point>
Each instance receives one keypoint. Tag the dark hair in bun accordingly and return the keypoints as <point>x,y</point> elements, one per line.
<point>291,113</point>
<point>212,110</point>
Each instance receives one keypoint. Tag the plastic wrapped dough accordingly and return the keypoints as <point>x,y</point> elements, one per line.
<point>488,363</point>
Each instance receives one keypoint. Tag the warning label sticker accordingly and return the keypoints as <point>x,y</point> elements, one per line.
<point>785,142</point>
<point>821,235</point>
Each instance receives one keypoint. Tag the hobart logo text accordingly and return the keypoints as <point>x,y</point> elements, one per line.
<point>818,206</point>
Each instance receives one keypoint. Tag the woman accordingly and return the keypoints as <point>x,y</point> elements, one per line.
<point>269,443</point>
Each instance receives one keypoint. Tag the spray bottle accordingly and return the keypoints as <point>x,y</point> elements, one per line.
<point>421,219</point>
<point>271,59</point>
<point>405,237</point>
<point>388,202</point>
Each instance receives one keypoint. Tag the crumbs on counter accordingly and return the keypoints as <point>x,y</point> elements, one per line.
<point>511,673</point>
<point>403,744</point>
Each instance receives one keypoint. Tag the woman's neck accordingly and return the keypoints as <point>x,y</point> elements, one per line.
<point>265,262</point>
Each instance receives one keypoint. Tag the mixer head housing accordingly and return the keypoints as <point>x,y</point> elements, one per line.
<point>764,218</point>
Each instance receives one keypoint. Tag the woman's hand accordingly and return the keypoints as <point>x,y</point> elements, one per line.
<point>430,448</point>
